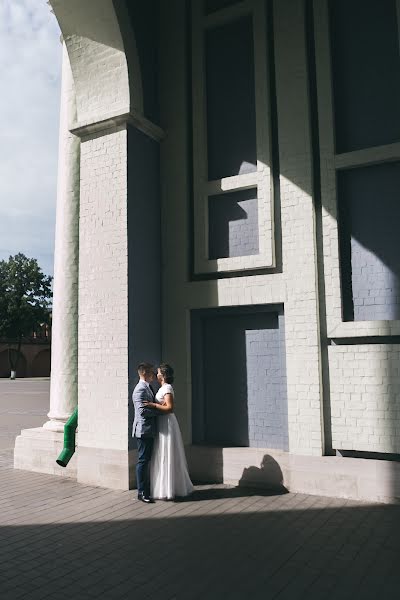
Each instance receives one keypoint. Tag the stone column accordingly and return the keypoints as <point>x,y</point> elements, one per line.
<point>37,449</point>
<point>64,355</point>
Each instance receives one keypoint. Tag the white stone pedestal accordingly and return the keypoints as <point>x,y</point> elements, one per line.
<point>355,478</point>
<point>108,468</point>
<point>37,450</point>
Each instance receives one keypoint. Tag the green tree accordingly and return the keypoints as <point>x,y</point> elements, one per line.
<point>25,301</point>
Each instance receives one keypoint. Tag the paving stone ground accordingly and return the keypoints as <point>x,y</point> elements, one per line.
<point>60,539</point>
<point>63,540</point>
<point>24,403</point>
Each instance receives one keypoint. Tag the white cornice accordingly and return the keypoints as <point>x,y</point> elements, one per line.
<point>132,118</point>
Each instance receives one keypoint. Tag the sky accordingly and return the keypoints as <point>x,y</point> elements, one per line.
<point>30,79</point>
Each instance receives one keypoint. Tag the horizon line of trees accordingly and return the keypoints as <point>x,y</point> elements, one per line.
<point>25,302</point>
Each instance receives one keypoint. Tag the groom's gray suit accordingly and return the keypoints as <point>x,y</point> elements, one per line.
<point>145,423</point>
<point>144,428</point>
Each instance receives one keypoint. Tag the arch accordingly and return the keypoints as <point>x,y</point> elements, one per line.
<point>41,364</point>
<point>103,57</point>
<point>5,365</point>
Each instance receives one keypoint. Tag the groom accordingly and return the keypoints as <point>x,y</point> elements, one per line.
<point>144,428</point>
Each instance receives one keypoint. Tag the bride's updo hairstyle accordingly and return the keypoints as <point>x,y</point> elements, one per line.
<point>167,372</point>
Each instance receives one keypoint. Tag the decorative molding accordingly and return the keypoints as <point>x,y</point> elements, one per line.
<point>133,118</point>
<point>231,184</point>
<point>368,156</point>
<point>352,329</point>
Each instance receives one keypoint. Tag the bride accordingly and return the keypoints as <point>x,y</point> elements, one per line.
<point>169,477</point>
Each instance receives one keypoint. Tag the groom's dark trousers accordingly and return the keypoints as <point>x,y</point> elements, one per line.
<point>145,448</point>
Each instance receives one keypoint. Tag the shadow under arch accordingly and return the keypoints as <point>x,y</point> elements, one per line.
<point>41,364</point>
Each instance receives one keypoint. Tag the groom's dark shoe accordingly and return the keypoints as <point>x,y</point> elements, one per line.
<point>146,499</point>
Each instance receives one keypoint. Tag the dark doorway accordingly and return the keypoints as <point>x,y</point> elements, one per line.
<point>239,378</point>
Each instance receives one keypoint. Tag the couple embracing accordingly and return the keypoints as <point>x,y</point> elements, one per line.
<point>161,470</point>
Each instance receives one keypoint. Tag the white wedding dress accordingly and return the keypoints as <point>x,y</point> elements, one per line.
<point>169,477</point>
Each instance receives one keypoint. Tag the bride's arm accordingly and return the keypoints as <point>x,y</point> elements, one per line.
<point>166,407</point>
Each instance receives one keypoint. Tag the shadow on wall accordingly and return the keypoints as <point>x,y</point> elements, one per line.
<point>233,224</point>
<point>368,217</point>
<point>269,476</point>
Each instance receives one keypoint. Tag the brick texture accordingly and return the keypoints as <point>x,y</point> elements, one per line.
<point>266,387</point>
<point>296,286</point>
<point>103,292</point>
<point>365,388</point>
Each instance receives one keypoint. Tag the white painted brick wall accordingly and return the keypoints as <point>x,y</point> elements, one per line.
<point>365,379</point>
<point>103,292</point>
<point>296,286</point>
<point>365,397</point>
<point>92,35</point>
<point>106,93</point>
<point>267,388</point>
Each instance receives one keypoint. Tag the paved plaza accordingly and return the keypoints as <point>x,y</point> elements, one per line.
<point>60,539</point>
<point>24,403</point>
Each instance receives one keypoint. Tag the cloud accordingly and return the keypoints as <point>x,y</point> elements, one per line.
<point>30,72</point>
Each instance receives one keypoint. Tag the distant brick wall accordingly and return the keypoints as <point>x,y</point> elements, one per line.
<point>34,359</point>
<point>365,397</point>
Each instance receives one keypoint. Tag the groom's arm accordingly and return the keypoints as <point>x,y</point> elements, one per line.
<point>140,401</point>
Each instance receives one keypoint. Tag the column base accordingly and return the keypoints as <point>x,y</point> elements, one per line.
<point>37,450</point>
<point>108,468</point>
<point>54,425</point>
